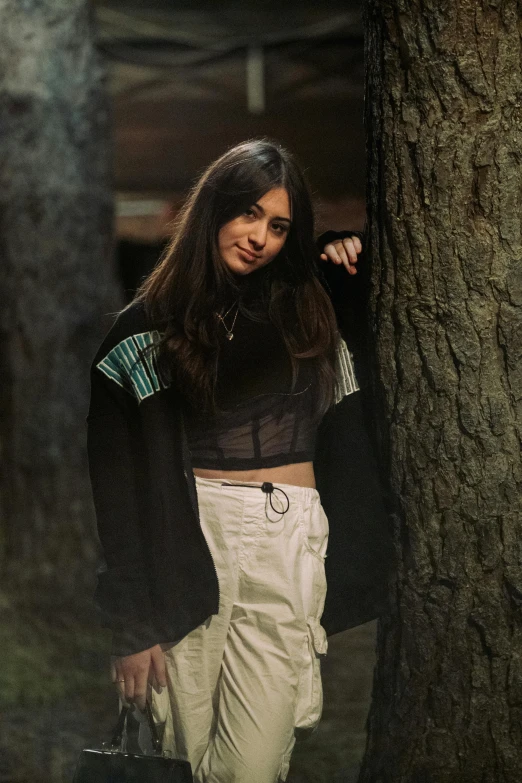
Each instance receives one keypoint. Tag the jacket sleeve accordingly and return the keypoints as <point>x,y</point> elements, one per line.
<point>357,504</point>
<point>354,495</point>
<point>122,594</point>
<point>349,296</point>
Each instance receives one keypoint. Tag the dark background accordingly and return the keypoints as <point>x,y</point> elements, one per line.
<point>180,95</point>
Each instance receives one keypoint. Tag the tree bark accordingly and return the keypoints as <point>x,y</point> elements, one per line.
<point>444,143</point>
<point>57,280</point>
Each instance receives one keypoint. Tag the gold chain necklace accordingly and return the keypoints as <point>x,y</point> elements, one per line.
<point>230,333</point>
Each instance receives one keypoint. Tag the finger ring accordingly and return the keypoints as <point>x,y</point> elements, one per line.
<point>120,680</point>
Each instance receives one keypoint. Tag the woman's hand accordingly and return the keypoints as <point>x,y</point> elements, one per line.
<point>343,251</point>
<point>133,673</point>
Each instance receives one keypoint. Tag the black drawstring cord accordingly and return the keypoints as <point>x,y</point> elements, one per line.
<point>268,488</point>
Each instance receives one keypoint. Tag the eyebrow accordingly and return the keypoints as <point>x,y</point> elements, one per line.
<point>260,208</point>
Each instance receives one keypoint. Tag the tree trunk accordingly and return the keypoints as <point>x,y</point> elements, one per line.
<point>444,142</point>
<point>57,280</point>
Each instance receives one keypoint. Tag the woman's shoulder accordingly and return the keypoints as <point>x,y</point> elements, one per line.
<point>132,318</point>
<point>128,324</point>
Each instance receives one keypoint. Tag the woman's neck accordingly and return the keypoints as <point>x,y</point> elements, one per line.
<point>254,294</point>
<point>252,285</point>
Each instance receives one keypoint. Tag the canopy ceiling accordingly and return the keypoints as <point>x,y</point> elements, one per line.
<point>187,80</point>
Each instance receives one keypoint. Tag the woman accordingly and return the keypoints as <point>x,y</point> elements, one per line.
<point>223,427</point>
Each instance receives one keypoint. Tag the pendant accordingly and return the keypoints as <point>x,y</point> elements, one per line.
<point>229,336</point>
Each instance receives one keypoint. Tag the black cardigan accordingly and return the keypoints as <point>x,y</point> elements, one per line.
<point>159,581</point>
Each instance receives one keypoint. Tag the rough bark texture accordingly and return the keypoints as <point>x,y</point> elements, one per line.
<point>443,116</point>
<point>56,280</point>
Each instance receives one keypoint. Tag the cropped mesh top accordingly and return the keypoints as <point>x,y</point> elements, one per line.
<point>259,423</point>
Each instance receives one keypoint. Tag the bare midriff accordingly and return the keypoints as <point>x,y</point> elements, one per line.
<point>301,474</point>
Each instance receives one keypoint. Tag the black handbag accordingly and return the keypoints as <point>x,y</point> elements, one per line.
<point>112,765</point>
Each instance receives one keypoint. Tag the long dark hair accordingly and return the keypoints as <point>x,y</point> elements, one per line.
<point>191,282</point>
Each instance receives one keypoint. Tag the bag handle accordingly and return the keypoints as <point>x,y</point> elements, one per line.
<point>122,721</point>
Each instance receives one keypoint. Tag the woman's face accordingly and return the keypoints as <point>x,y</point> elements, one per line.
<point>255,238</point>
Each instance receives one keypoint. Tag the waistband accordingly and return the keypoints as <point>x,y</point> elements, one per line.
<point>294,491</point>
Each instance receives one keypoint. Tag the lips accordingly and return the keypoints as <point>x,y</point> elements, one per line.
<point>250,256</point>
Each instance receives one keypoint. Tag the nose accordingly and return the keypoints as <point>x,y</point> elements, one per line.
<point>257,234</point>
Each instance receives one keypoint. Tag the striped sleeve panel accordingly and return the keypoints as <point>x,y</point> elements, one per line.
<point>346,380</point>
<point>135,370</point>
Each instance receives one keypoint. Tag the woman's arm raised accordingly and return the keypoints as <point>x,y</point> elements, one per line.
<point>348,292</point>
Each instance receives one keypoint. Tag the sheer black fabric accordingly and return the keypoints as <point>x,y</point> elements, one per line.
<point>260,421</point>
<point>255,434</point>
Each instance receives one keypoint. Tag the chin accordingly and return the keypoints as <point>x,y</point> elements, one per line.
<point>243,268</point>
<point>242,272</point>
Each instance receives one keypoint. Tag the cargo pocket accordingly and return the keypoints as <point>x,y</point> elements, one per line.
<point>309,704</point>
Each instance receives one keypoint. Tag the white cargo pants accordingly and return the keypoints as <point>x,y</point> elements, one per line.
<point>242,683</point>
